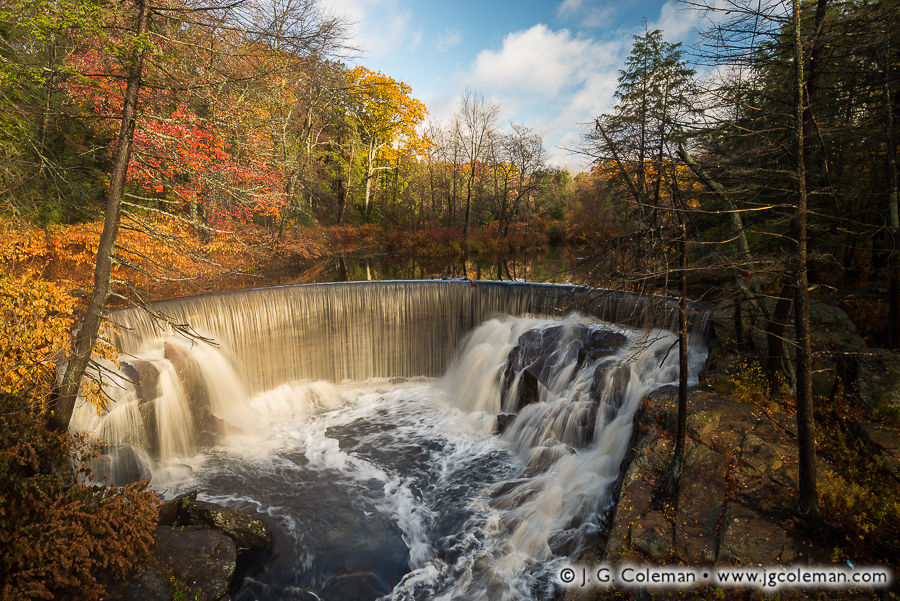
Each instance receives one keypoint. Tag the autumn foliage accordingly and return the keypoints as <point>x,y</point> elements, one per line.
<point>59,534</point>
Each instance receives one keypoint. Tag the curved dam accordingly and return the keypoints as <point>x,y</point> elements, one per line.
<point>404,440</point>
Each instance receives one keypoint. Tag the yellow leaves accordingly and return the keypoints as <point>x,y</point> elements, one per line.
<point>35,319</point>
<point>384,108</point>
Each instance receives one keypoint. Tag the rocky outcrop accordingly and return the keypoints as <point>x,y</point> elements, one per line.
<point>245,530</point>
<point>534,360</point>
<point>843,365</point>
<point>195,552</point>
<point>884,444</point>
<point>704,519</point>
<point>195,561</point>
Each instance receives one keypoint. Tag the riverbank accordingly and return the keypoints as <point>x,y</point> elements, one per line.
<point>732,507</point>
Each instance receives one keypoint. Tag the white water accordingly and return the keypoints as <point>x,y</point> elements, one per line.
<point>404,485</point>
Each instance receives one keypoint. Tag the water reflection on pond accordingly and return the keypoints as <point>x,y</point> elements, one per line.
<point>552,266</point>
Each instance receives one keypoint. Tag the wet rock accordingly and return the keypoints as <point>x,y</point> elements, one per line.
<point>247,531</point>
<point>145,376</point>
<point>538,352</point>
<point>126,465</point>
<point>503,422</point>
<point>356,586</point>
<point>170,511</point>
<point>542,458</point>
<point>573,541</point>
<point>194,561</point>
<point>598,344</point>
<point>512,493</point>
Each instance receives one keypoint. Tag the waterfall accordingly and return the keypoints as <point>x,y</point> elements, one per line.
<point>394,391</point>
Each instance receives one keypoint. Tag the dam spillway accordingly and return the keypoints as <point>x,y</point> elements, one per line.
<point>361,419</point>
<point>353,331</point>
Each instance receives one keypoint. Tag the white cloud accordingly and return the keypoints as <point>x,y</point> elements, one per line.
<point>380,28</point>
<point>551,81</point>
<point>447,40</point>
<point>416,41</point>
<point>537,60</point>
<point>677,22</point>
<point>588,13</point>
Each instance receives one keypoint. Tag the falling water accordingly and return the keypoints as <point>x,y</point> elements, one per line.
<point>362,421</point>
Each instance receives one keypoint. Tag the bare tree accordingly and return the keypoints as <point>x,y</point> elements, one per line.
<point>478,122</point>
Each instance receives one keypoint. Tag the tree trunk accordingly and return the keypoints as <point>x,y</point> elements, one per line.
<point>87,335</point>
<point>893,208</point>
<point>806,434</point>
<point>469,182</point>
<point>681,432</point>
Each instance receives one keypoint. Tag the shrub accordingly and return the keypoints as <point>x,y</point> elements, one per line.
<point>58,531</point>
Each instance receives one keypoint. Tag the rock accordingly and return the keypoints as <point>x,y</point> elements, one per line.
<point>540,351</point>
<point>194,561</point>
<point>543,457</point>
<point>356,586</point>
<point>829,315</point>
<point>503,422</point>
<point>654,536</point>
<point>701,495</point>
<point>145,376</point>
<point>512,493</point>
<point>885,441</point>
<point>634,501</point>
<point>598,344</point>
<point>246,530</point>
<point>748,538</point>
<point>175,510</point>
<point>773,456</point>
<point>122,465</point>
<point>878,377</point>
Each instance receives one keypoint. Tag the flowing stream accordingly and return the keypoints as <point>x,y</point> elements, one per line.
<point>364,424</point>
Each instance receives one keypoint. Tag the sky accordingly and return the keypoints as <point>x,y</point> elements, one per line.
<point>551,65</point>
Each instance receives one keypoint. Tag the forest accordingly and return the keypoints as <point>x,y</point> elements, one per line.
<point>157,149</point>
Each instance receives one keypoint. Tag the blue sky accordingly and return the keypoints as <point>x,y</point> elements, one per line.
<point>551,65</point>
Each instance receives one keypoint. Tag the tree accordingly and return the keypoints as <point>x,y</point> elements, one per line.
<point>384,114</point>
<point>254,29</point>
<point>639,136</point>
<point>476,121</point>
<point>525,152</point>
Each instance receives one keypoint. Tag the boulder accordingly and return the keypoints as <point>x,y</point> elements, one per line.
<point>246,530</point>
<point>885,443</point>
<point>190,562</point>
<point>504,420</point>
<point>169,511</point>
<point>824,314</point>
<point>126,465</point>
<point>355,586</point>
<point>878,377</point>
